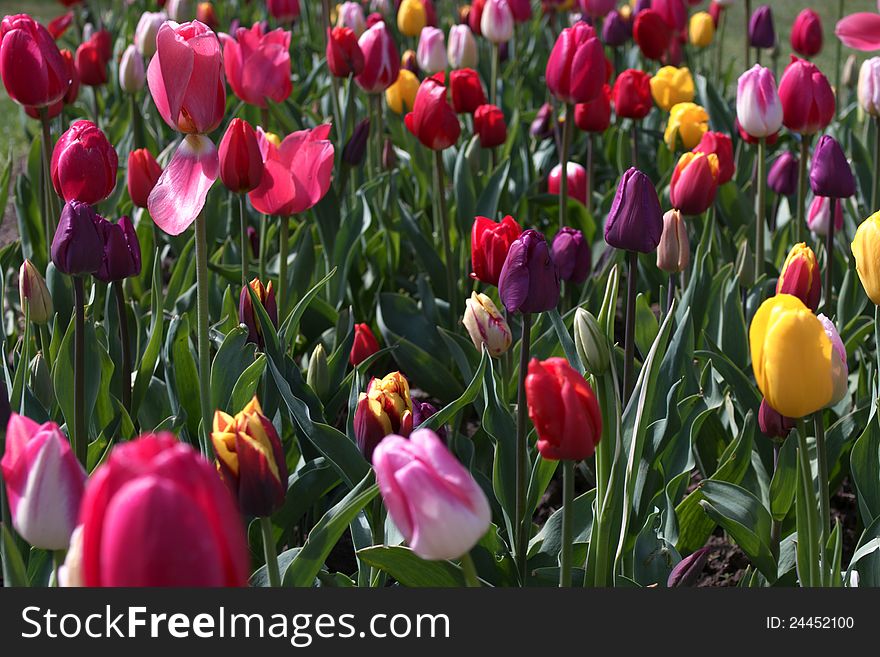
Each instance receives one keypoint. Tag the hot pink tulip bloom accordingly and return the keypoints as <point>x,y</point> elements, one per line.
<point>296,174</point>
<point>576,69</point>
<point>577,181</point>
<point>187,84</point>
<point>381,60</point>
<point>758,106</point>
<point>434,501</point>
<point>44,482</point>
<point>819,215</point>
<point>860,31</point>
<point>156,513</point>
<point>31,65</point>
<point>257,64</point>
<point>597,8</point>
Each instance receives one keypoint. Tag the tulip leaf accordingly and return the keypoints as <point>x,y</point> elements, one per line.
<point>247,383</point>
<point>565,340</point>
<point>182,276</point>
<point>4,185</point>
<point>867,557</point>
<point>150,357</point>
<point>784,483</point>
<point>448,412</point>
<point>312,482</point>
<point>14,571</point>
<point>63,372</point>
<point>865,469</point>
<point>743,389</point>
<point>266,328</point>
<point>234,357</point>
<point>545,546</point>
<point>260,577</point>
<point>184,376</point>
<point>646,324</point>
<point>498,423</point>
<point>487,205</point>
<point>324,535</point>
<point>290,328</point>
<point>411,570</point>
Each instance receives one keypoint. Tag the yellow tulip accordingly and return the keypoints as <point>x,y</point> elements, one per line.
<point>687,121</point>
<point>671,86</point>
<point>411,17</point>
<point>866,249</point>
<point>701,29</point>
<point>401,95</point>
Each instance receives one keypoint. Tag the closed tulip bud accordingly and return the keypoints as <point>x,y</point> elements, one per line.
<point>146,31</point>
<point>632,94</point>
<point>241,164</point>
<point>529,281</point>
<point>475,16</point>
<point>806,33</point>
<point>744,268</point>
<point>687,571</point>
<point>490,126</point>
<point>866,250</point>
<point>830,173</point>
<point>541,125</point>
<point>800,276</point>
<point>364,345</point>
<point>32,288</point>
<point>84,164</point>
<point>701,30</point>
<point>694,182</point>
<point>411,17</point>
<point>356,148</point>
<point>759,109</point>
<point>671,86</point>
<point>715,9</point>
<point>410,62</point>
<point>31,65</point>
<point>344,55</point>
<point>577,182</point>
<point>797,365</point>
<point>762,34</point>
<point>490,242</point>
<point>783,175</point>
<point>651,34</point>
<point>163,496</point>
<point>772,423</point>
<point>121,252</point>
<point>807,98</point>
<point>423,411</point>
<point>385,408</point>
<point>869,86</point>
<point>142,175</point>
<point>432,119</point>
<point>687,122</point>
<point>496,21</point>
<point>206,14</point>
<point>851,73</point>
<point>91,62</point>
<point>674,250</point>
<point>635,221</point>
<point>467,91</point>
<point>283,11</point>
<point>819,215</point>
<point>591,343</point>
<point>132,75</point>
<point>431,55</point>
<point>250,459</point>
<point>563,409</point>
<point>462,50</point>
<point>44,482</point>
<point>594,116</point>
<point>266,296</point>
<point>432,499</point>
<point>571,253</point>
<point>576,68</point>
<point>77,246</point>
<point>486,325</point>
<point>616,30</point>
<point>389,156</point>
<point>401,96</point>
<point>381,60</point>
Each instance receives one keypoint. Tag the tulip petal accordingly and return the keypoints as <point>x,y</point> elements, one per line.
<point>277,190</point>
<point>180,193</point>
<point>860,31</point>
<point>169,73</point>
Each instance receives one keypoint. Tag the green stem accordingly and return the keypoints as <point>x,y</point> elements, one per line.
<point>245,242</point>
<point>567,529</point>
<point>57,562</point>
<point>493,88</point>
<point>270,552</point>
<point>264,231</point>
<point>748,15</point>
<point>802,189</point>
<point>80,438</point>
<point>563,162</point>
<point>875,183</point>
<point>137,123</point>
<point>829,260</point>
<point>50,214</point>
<point>629,345</point>
<point>522,452</point>
<point>470,571</point>
<point>95,106</point>
<point>812,577</point>
<point>25,356</point>
<point>125,370</point>
<point>203,328</point>
<point>824,496</point>
<point>760,224</point>
<point>877,340</point>
<point>440,192</point>
<point>337,112</point>
<point>634,138</point>
<point>376,100</point>
<point>776,525</point>
<point>283,243</point>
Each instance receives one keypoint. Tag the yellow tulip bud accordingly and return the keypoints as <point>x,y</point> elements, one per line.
<point>688,122</point>
<point>866,249</point>
<point>401,95</point>
<point>411,17</point>
<point>671,86</point>
<point>701,29</point>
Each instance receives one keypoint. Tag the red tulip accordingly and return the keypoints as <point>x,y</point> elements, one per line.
<point>162,496</point>
<point>475,16</point>
<point>722,146</point>
<point>31,65</point>
<point>576,68</point>
<point>143,173</point>
<point>490,242</point>
<point>807,99</point>
<point>283,11</point>
<point>60,24</point>
<point>694,183</point>
<point>381,60</point>
<point>433,120</point>
<point>364,345</point>
<point>490,126</point>
<point>673,12</point>
<point>563,409</point>
<point>467,90</point>
<point>73,89</point>
<point>344,55</point>
<point>632,94</point>
<point>651,34</point>
<point>241,164</point>
<point>594,116</point>
<point>806,33</point>
<point>266,296</point>
<point>90,61</point>
<point>257,64</point>
<point>84,164</point>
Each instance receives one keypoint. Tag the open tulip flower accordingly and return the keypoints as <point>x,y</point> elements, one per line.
<point>257,64</point>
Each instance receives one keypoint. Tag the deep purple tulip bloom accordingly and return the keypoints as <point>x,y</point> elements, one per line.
<point>641,5</point>
<point>772,423</point>
<point>687,571</point>
<point>356,148</point>
<point>830,173</point>
<point>529,281</point>
<point>761,31</point>
<point>122,251</point>
<point>635,222</point>
<point>541,126</point>
<point>422,411</point>
<point>615,30</point>
<point>783,176</point>
<point>77,247</point>
<point>572,256</point>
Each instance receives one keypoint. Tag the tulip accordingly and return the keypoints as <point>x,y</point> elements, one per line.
<point>161,495</point>
<point>381,61</point>
<point>401,96</point>
<point>121,253</point>
<point>462,51</point>
<point>146,31</point>
<point>564,410</point>
<point>432,499</point>
<point>44,482</point>
<point>671,86</point>
<point>761,31</point>
<point>616,30</point>
<point>409,61</point>
<point>783,175</point>
<point>635,221</point>
<point>594,116</point>
<point>351,15</point>
<point>806,33</point>
<point>32,289</point>
<point>866,251</point>
<point>431,54</point>
<point>632,94</point>
<point>673,12</point>
<point>241,164</point>
<point>540,127</point>
<point>688,122</point>
<point>759,109</point>
<point>721,146</point>
<point>694,182</point>
<point>839,367</point>
<point>688,570</point>
<point>257,65</point>
<point>73,90</point>
<point>344,55</point>
<point>206,14</point>
<point>701,30</point>
<point>475,16</point>
<point>490,242</point>
<point>31,65</point>
<point>521,10</point>
<point>591,343</point>
<point>796,365</point>
<point>283,11</point>
<point>674,249</point>
<point>860,31</point>
<point>318,373</point>
<point>433,120</point>
<point>91,63</point>
<point>596,8</point>
<point>84,164</point>
<point>529,281</point>
<point>571,253</point>
<point>800,276</point>
<point>355,149</point>
<point>869,86</point>
<point>70,572</point>
<point>411,17</point>
<point>651,34</point>
<point>250,459</point>
<point>807,98</point>
<point>59,25</point>
<point>849,78</point>
<point>77,246</point>
<point>247,316</point>
<point>467,91</point>
<point>490,126</point>
<point>132,74</point>
<point>181,10</point>
<point>772,423</point>
<point>830,173</point>
<point>496,21</point>
<point>143,173</point>
<point>819,215</point>
<point>576,68</point>
<point>486,325</point>
<point>715,9</point>
<point>577,181</point>
<point>364,345</point>
<point>385,408</point>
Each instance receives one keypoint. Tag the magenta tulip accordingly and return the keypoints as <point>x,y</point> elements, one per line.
<point>381,60</point>
<point>257,64</point>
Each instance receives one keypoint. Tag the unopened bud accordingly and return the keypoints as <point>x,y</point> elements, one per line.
<point>318,374</point>
<point>32,288</point>
<point>592,344</point>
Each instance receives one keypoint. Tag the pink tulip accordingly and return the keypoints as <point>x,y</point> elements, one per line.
<point>819,215</point>
<point>860,31</point>
<point>44,482</point>
<point>186,81</point>
<point>577,181</point>
<point>434,501</point>
<point>296,174</point>
<point>156,513</point>
<point>758,107</point>
<point>381,60</point>
<point>257,64</point>
<point>31,65</point>
<point>576,69</point>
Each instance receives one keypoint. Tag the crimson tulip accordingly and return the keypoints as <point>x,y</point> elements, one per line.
<point>381,60</point>
<point>632,94</point>
<point>60,24</point>
<point>91,63</point>
<point>594,116</point>
<point>283,11</point>
<point>651,34</point>
<point>806,33</point>
<point>475,16</point>
<point>807,99</point>
<point>490,242</point>
<point>344,55</point>
<point>84,164</point>
<point>433,119</point>
<point>31,65</point>
<point>467,90</point>
<point>490,126</point>
<point>576,69</point>
<point>241,163</point>
<point>142,174</point>
<point>364,345</point>
<point>257,64</point>
<point>73,90</point>
<point>694,182</point>
<point>721,146</point>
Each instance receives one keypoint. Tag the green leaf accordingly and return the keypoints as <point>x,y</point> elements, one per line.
<point>448,412</point>
<point>784,483</point>
<point>646,324</point>
<point>410,570</point>
<point>565,340</point>
<point>14,572</point>
<point>290,328</point>
<point>865,468</point>
<point>234,356</point>
<point>487,206</point>
<point>150,358</point>
<point>246,386</point>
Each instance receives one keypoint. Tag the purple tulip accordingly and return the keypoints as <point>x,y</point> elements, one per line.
<point>356,147</point>
<point>761,31</point>
<point>688,569</point>
<point>635,222</point>
<point>830,173</point>
<point>641,5</point>
<point>77,246</point>
<point>772,423</point>
<point>529,281</point>
<point>541,127</point>
<point>572,256</point>
<point>122,251</point>
<point>783,176</point>
<point>615,30</point>
<point>422,411</point>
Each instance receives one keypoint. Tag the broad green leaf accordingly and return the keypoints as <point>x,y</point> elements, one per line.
<point>411,570</point>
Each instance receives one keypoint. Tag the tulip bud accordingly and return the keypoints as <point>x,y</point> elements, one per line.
<point>783,176</point>
<point>490,242</point>
<point>364,345</point>
<point>671,86</point>
<point>541,125</point>
<point>819,215</point>
<point>486,325</point>
<point>432,120</point>
<point>84,164</point>
<point>385,408</point>
<point>431,55</point>
<point>462,50</point>
<point>869,86</point>
<point>651,34</point>
<point>142,175</point>
<point>496,21</point>
<point>206,14</point>
<point>77,247</point>
<point>806,33</point>
<point>490,126</point>
<point>694,182</point>
<point>467,91</point>
<point>762,34</point>
<point>772,423</point>
<point>423,411</point>
<point>44,482</point>
<point>31,65</point>
<point>572,256</point>
<point>595,115</point>
<point>344,55</point>
<point>851,73</point>
<point>283,11</point>
<point>354,150</point>
<point>146,31</point>
<point>592,344</point>
<point>389,157</point>
<point>687,123</point>
<point>351,15</point>
<point>687,571</point>
<point>758,106</point>
<point>744,268</point>
<point>241,163</point>
<point>529,281</point>
<point>616,30</point>
<point>318,374</point>
<point>800,276</point>
<point>32,288</point>
<point>132,75</point>
<point>121,252</point>
<point>701,30</point>
<point>635,221</point>
<point>830,173</point>
<point>632,94</point>
<point>866,251</point>
<point>401,96</point>
<point>91,59</point>
<point>674,250</point>
<point>721,146</point>
<point>807,98</point>
<point>411,17</point>
<point>577,182</point>
<point>381,61</point>
<point>73,90</point>
<point>576,68</point>
<point>246,315</point>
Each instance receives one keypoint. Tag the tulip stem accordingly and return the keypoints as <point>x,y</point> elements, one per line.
<point>824,496</point>
<point>125,373</point>
<point>283,243</point>
<point>204,343</point>
<point>748,15</point>
<point>245,242</point>
<point>137,123</point>
<point>522,451</point>
<point>829,259</point>
<point>264,230</point>
<point>567,529</point>
<point>802,189</point>
<point>95,107</point>
<point>812,577</point>
<point>875,186</point>
<point>493,88</point>
<point>776,525</point>
<point>25,357</point>
<point>471,578</point>
<point>634,138</point>
<point>630,330</point>
<point>440,194</point>
<point>49,213</point>
<point>760,224</point>
<point>376,104</point>
<point>80,439</point>
<point>270,552</point>
<point>590,171</point>
<point>563,162</point>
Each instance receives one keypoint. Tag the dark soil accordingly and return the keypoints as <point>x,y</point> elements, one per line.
<point>726,563</point>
